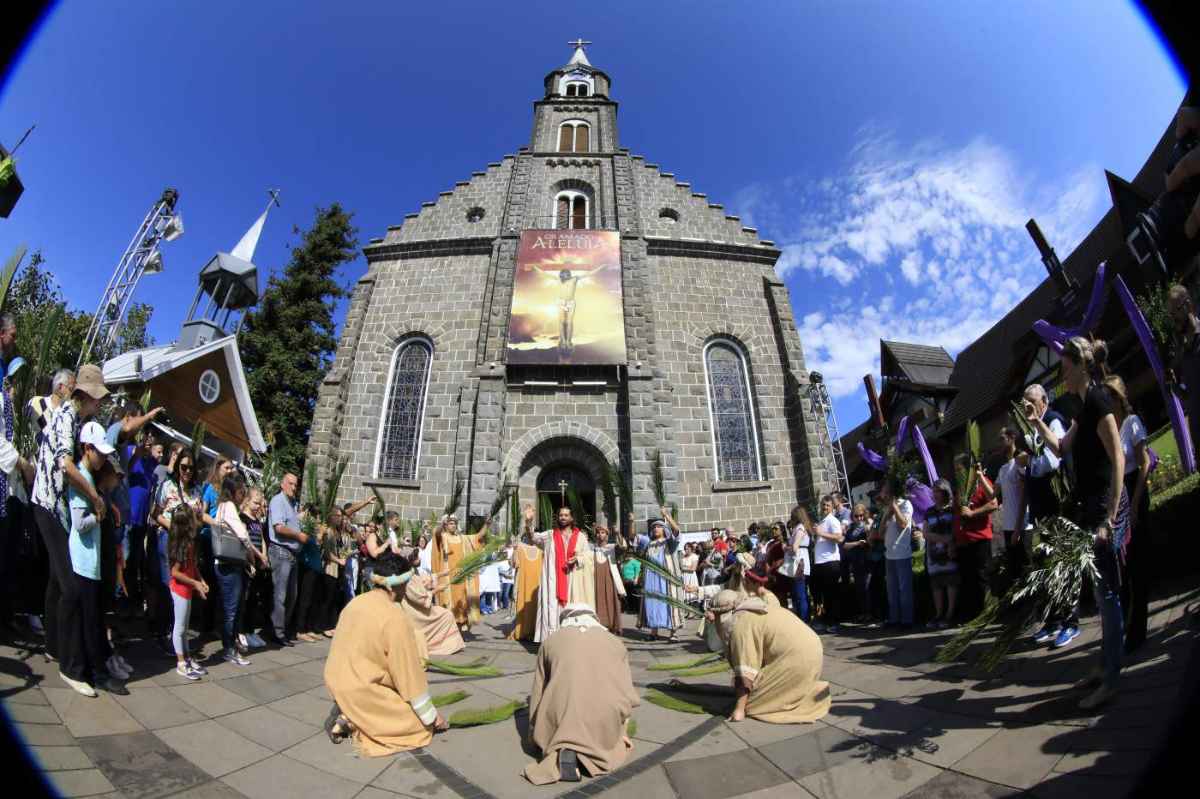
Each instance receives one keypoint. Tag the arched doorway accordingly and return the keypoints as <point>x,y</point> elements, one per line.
<point>556,482</point>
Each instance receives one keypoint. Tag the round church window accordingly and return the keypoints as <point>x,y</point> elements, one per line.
<point>475,215</point>
<point>210,386</point>
<point>669,216</point>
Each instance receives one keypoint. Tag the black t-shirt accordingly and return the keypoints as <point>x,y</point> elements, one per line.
<point>1093,468</point>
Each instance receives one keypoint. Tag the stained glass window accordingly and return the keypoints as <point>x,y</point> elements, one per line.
<point>729,401</point>
<point>400,436</point>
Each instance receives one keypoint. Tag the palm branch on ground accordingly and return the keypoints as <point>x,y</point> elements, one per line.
<point>703,660</point>
<point>475,668</point>
<point>489,715</point>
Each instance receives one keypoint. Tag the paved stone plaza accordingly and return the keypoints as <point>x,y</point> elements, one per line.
<point>900,725</point>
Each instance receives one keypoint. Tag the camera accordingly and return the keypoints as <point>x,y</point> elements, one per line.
<point>1158,232</point>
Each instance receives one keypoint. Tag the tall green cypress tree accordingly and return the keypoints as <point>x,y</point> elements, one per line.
<point>287,343</point>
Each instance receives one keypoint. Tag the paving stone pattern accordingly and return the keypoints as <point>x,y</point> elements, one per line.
<point>900,726</point>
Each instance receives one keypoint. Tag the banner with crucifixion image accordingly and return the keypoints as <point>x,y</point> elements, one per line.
<point>567,306</point>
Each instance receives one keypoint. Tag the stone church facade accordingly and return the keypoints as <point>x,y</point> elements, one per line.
<point>714,382</point>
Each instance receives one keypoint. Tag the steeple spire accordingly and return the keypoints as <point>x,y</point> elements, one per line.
<point>249,243</point>
<point>580,57</point>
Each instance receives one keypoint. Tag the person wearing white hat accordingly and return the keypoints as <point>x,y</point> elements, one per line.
<point>55,470</point>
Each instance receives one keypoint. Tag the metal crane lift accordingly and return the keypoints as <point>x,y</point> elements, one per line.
<point>142,257</point>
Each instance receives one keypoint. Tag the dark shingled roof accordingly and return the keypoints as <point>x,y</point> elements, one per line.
<point>918,363</point>
<point>990,368</point>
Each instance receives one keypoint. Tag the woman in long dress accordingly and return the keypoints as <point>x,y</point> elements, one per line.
<point>449,548</point>
<point>688,563</point>
<point>527,560</point>
<point>375,675</point>
<point>610,590</point>
<point>437,633</point>
<point>776,661</point>
<point>660,548</point>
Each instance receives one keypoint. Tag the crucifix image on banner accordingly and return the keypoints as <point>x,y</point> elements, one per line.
<point>567,305</point>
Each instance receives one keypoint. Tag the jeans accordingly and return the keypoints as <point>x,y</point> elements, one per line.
<point>62,639</point>
<point>826,579</point>
<point>183,612</point>
<point>800,595</point>
<point>286,573</point>
<point>900,591</point>
<point>1106,590</point>
<point>488,601</point>
<point>506,594</point>
<point>229,575</point>
<point>350,583</point>
<point>860,573</point>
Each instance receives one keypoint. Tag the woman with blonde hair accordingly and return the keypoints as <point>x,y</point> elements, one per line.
<point>1135,583</point>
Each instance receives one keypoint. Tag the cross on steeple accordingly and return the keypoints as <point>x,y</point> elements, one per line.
<point>578,43</point>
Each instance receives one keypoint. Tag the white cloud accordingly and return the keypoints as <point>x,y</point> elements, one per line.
<point>928,243</point>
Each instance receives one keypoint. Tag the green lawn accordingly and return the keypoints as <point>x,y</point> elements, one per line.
<point>1164,444</point>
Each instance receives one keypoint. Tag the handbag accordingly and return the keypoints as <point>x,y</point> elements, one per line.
<point>790,564</point>
<point>227,546</point>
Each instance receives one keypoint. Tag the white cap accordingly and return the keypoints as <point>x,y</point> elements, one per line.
<point>92,433</point>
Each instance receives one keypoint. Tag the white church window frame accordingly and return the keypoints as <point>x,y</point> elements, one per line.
<point>751,435</point>
<point>582,88</point>
<point>418,431</point>
<point>572,197</point>
<point>574,125</point>
<point>576,76</point>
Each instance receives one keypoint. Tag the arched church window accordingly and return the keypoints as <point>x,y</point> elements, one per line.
<point>669,216</point>
<point>573,137</point>
<point>577,89</point>
<point>571,211</point>
<point>730,403</point>
<point>404,411</point>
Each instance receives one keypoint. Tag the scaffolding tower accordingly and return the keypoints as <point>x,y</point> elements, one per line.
<point>141,257</point>
<point>828,436</point>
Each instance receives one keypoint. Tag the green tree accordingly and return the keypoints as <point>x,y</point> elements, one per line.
<point>135,332</point>
<point>288,342</point>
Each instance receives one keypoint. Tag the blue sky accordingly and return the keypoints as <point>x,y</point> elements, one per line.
<point>893,150</point>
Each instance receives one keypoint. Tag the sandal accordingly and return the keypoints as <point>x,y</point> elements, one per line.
<point>337,726</point>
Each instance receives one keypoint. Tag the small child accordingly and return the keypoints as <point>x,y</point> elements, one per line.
<point>489,588</point>
<point>185,578</point>
<point>507,575</point>
<point>939,556</point>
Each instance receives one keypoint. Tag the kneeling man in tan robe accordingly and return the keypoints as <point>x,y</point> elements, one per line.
<point>375,672</point>
<point>582,697</point>
<point>776,661</point>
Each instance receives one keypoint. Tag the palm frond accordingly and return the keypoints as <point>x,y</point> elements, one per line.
<point>477,561</point>
<point>974,444</point>
<point>489,715</point>
<point>582,519</point>
<point>144,402</point>
<point>442,667</point>
<point>6,276</point>
<point>661,571</point>
<point>497,505</point>
<point>682,607</point>
<point>380,505</point>
<point>656,696</point>
<point>514,513</point>
<point>454,697</point>
<point>703,660</point>
<point>700,671</point>
<point>333,482</point>
<point>658,481</point>
<point>631,728</point>
<point>545,512</point>
<point>199,433</point>
<point>455,495</point>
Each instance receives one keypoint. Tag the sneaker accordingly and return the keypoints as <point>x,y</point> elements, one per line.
<point>1046,635</point>
<point>256,640</point>
<point>243,641</point>
<point>186,672</point>
<point>79,686</point>
<point>233,656</point>
<point>113,685</point>
<point>196,667</point>
<point>1065,636</point>
<point>115,669</point>
<point>1098,697</point>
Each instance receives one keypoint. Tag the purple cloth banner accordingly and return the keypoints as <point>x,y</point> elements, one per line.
<point>1055,337</point>
<point>1183,438</point>
<point>872,458</point>
<point>923,449</point>
<point>921,497</point>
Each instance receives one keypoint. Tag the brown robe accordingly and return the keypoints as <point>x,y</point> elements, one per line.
<point>609,589</point>
<point>582,697</point>
<point>374,672</point>
<point>780,657</point>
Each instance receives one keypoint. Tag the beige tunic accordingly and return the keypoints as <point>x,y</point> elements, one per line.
<point>437,632</point>
<point>779,657</point>
<point>582,697</point>
<point>528,560</point>
<point>461,599</point>
<point>374,672</point>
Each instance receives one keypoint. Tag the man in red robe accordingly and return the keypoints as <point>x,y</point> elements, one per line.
<point>561,562</point>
